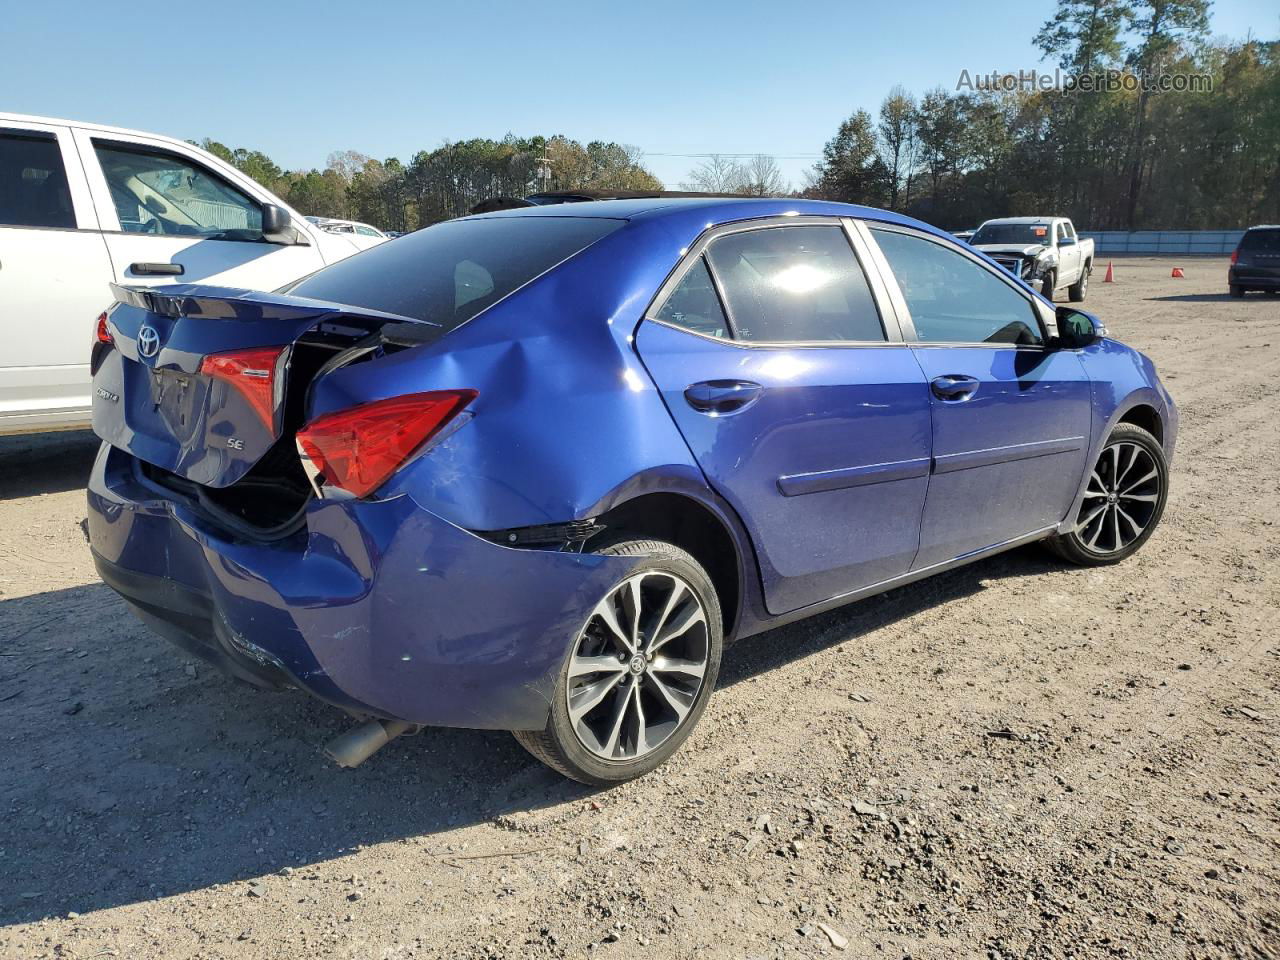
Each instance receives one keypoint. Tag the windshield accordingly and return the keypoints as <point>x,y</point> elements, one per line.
<point>448,273</point>
<point>1018,233</point>
<point>1261,241</point>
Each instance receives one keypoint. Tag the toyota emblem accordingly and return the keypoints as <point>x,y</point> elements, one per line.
<point>148,342</point>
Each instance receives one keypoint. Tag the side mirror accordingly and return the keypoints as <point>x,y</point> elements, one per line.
<point>1067,242</point>
<point>275,224</point>
<point>1078,329</point>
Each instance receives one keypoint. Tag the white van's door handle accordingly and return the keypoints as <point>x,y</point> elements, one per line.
<point>156,269</point>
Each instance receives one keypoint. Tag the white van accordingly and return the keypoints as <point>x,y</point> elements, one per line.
<point>82,206</point>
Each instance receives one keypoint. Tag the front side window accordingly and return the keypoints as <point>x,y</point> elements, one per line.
<point>798,284</point>
<point>694,304</point>
<point>33,182</point>
<point>952,299</point>
<point>367,231</point>
<point>166,195</point>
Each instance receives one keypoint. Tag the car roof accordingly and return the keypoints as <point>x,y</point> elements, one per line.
<point>707,212</point>
<point>1264,226</point>
<point>85,125</point>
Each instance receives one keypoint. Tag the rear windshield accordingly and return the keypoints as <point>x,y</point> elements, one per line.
<point>448,273</point>
<point>1261,241</point>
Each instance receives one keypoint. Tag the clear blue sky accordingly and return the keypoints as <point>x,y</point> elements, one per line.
<point>300,79</point>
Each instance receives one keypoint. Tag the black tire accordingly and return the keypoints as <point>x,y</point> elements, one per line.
<point>1143,505</point>
<point>1050,284</point>
<point>1272,293</point>
<point>559,746</point>
<point>1237,291</point>
<point>1076,292</point>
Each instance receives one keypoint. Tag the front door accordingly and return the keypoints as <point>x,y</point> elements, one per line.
<point>170,219</point>
<point>805,411</point>
<point>1011,417</point>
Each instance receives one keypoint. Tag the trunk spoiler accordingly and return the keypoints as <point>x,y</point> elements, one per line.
<point>231,303</point>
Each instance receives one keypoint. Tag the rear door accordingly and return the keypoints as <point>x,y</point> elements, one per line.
<point>171,218</point>
<point>1011,417</point>
<point>801,403</point>
<point>54,278</point>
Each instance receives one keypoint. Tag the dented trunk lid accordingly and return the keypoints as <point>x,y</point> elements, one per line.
<point>205,383</point>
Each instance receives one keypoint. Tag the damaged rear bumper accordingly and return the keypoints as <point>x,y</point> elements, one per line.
<point>379,607</point>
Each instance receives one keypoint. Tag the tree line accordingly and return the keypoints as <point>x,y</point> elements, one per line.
<point>1123,158</point>
<point>443,183</point>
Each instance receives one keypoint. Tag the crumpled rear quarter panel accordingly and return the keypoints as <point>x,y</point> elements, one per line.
<point>376,605</point>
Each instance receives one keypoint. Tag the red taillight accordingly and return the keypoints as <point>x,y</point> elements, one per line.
<point>358,448</point>
<point>253,373</point>
<point>1235,255</point>
<point>104,333</point>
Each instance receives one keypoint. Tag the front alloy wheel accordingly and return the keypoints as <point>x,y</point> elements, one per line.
<point>1123,500</point>
<point>639,672</point>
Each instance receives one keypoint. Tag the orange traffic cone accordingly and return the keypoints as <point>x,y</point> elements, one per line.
<point>1177,272</point>
<point>1111,275</point>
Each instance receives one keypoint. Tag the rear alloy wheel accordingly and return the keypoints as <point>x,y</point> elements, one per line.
<point>639,672</point>
<point>1123,501</point>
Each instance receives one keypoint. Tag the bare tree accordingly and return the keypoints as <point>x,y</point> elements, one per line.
<point>762,178</point>
<point>346,163</point>
<point>717,174</point>
<point>897,130</point>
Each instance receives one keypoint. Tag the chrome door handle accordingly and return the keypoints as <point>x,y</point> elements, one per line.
<point>722,396</point>
<point>954,387</point>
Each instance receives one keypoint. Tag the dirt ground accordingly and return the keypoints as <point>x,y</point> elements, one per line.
<point>1017,759</point>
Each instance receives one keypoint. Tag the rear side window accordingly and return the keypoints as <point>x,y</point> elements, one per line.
<point>33,182</point>
<point>450,272</point>
<point>694,304</point>
<point>798,284</point>
<point>952,299</point>
<point>167,195</point>
<point>1261,241</point>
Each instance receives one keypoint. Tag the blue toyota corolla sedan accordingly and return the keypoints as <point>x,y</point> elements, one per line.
<point>532,470</point>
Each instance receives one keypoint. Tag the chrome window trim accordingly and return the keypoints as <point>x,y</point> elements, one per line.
<point>784,344</point>
<point>1046,321</point>
<point>697,250</point>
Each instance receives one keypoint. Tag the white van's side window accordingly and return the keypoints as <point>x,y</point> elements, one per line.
<point>33,182</point>
<point>163,194</point>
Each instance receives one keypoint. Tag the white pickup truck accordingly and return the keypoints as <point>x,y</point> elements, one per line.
<point>82,206</point>
<point>1044,251</point>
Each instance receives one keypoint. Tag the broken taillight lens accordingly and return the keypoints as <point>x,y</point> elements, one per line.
<point>255,373</point>
<point>103,334</point>
<point>357,449</point>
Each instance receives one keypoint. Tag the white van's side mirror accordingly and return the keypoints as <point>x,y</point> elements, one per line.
<point>276,225</point>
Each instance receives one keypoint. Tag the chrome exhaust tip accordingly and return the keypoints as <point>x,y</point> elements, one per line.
<point>360,743</point>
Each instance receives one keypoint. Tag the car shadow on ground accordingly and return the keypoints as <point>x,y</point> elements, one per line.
<point>50,463</point>
<point>1195,298</point>
<point>132,774</point>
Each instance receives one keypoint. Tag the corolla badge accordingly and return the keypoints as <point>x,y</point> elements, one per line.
<point>148,341</point>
